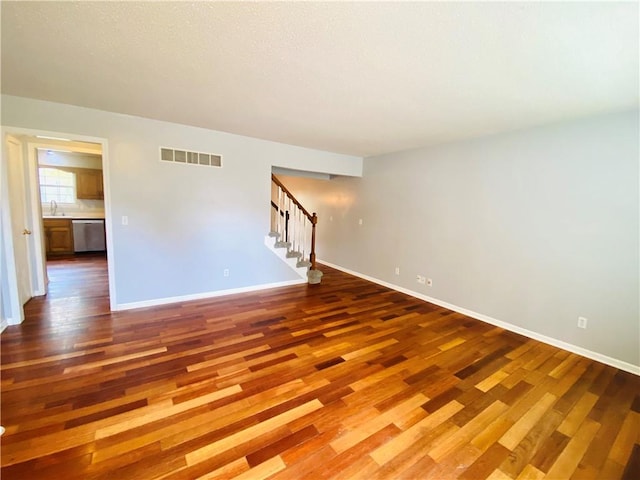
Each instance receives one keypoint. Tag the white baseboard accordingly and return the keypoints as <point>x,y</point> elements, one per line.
<point>614,362</point>
<point>204,295</point>
<point>16,320</point>
<point>5,322</point>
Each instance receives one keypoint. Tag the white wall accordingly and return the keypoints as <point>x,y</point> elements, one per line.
<point>532,228</point>
<point>186,223</point>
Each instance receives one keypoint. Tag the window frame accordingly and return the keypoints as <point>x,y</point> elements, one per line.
<point>72,187</point>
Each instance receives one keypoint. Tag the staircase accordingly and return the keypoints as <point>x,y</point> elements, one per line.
<point>293,232</point>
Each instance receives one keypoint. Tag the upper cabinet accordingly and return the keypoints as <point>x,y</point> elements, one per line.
<point>89,184</point>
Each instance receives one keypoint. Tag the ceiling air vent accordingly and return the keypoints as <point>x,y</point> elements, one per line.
<point>194,158</point>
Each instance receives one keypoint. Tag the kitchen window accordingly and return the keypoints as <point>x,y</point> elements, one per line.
<point>58,185</point>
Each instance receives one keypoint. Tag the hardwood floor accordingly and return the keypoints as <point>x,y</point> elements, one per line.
<point>341,380</point>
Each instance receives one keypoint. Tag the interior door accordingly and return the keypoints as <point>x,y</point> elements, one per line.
<point>19,227</point>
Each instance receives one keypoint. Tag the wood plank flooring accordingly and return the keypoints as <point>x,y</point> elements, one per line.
<point>341,380</point>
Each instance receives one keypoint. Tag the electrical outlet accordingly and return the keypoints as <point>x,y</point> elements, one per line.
<point>582,322</point>
<point>397,270</point>
<point>421,279</point>
<point>225,272</point>
<point>429,282</point>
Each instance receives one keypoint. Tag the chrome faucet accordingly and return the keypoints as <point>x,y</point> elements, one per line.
<point>53,208</point>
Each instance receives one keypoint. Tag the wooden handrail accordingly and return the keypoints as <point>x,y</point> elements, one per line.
<point>276,208</point>
<point>290,195</point>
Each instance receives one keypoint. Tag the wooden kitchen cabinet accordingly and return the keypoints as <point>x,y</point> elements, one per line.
<point>89,184</point>
<point>58,236</point>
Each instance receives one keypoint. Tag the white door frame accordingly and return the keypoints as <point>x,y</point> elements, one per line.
<point>39,261</point>
<point>18,163</point>
<point>39,272</point>
<point>39,278</point>
<point>10,309</point>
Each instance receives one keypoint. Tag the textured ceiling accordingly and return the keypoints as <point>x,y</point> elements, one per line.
<point>359,78</point>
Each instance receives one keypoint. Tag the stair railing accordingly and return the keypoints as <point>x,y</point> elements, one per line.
<point>291,223</point>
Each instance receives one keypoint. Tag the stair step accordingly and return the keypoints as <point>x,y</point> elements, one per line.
<point>293,254</point>
<point>282,244</point>
<point>303,263</point>
<point>274,234</point>
<point>281,253</point>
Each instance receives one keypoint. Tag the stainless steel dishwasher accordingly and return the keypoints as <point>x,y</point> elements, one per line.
<point>88,235</point>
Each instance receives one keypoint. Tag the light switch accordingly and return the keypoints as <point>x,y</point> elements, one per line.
<point>125,220</point>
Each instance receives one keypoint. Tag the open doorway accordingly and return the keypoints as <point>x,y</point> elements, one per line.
<point>73,220</point>
<point>56,194</point>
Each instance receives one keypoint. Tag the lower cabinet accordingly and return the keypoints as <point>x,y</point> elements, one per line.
<point>58,235</point>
